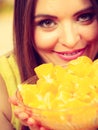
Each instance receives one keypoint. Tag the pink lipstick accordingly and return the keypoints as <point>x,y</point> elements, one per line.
<point>70,55</point>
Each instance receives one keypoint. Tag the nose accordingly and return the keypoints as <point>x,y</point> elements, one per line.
<point>69,35</point>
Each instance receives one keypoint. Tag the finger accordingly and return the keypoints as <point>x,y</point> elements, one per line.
<point>28,111</point>
<point>19,113</point>
<point>32,122</point>
<point>43,128</point>
<point>23,117</point>
<point>13,100</point>
<point>34,127</point>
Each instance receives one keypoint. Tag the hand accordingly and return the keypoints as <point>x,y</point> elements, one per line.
<point>25,116</point>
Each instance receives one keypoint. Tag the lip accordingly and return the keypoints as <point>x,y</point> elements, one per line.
<point>71,55</point>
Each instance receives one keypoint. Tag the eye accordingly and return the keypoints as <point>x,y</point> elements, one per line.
<point>86,18</point>
<point>46,23</point>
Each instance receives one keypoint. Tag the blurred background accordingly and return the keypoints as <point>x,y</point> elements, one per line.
<point>6,26</point>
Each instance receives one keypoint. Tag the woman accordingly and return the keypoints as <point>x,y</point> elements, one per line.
<point>50,29</point>
<point>54,31</point>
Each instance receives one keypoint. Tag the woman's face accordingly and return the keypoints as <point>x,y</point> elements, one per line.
<point>65,30</point>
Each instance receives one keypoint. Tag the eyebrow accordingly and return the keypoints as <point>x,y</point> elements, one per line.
<point>91,8</point>
<point>44,16</point>
<point>54,17</point>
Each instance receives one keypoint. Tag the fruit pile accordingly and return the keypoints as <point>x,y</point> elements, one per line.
<point>59,88</point>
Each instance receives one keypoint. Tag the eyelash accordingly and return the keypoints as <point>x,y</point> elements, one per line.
<point>86,18</point>
<point>46,23</point>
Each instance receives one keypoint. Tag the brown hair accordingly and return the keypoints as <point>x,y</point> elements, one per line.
<point>26,55</point>
<point>95,4</point>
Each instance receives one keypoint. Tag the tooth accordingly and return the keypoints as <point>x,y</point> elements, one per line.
<point>69,54</point>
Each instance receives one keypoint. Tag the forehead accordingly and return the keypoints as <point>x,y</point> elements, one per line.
<point>55,6</point>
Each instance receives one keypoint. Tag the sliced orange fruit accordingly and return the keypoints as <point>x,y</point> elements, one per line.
<point>80,66</point>
<point>59,87</point>
<point>65,98</point>
<point>44,70</point>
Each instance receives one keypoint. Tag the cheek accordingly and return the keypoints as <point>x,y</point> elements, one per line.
<point>90,33</point>
<point>45,40</point>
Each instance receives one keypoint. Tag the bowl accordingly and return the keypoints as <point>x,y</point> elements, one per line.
<point>77,118</point>
<point>63,98</point>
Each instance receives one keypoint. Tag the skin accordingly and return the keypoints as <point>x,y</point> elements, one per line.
<point>61,35</point>
<point>5,114</point>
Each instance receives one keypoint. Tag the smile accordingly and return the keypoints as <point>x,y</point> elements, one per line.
<point>71,55</point>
